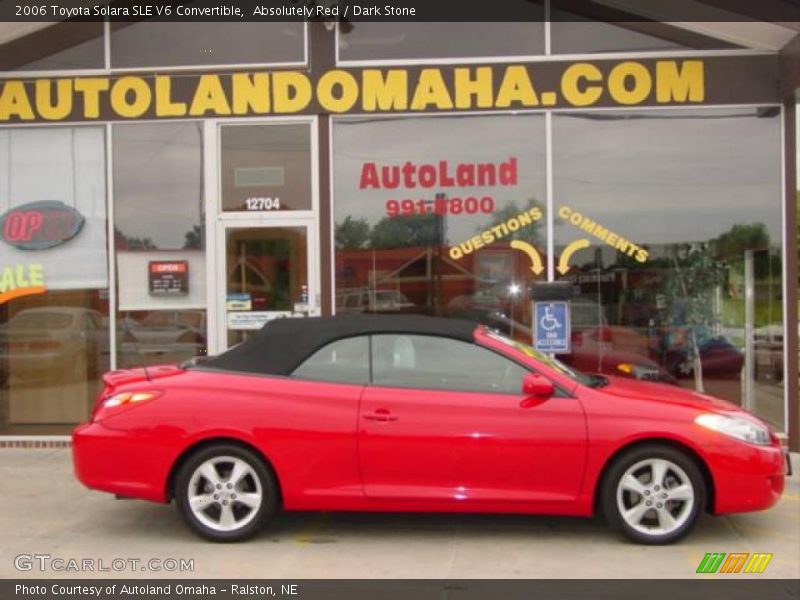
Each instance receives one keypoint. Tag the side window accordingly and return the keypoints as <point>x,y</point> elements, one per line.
<point>343,361</point>
<point>429,362</point>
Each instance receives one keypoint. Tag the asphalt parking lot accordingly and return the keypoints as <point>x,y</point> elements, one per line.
<point>43,510</point>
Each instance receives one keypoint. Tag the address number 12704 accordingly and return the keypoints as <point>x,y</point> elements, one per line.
<point>263,203</point>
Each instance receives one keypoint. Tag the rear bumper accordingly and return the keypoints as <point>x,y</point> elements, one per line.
<point>111,461</point>
<point>751,479</point>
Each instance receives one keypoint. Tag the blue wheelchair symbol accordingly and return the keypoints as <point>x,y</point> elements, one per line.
<point>551,327</point>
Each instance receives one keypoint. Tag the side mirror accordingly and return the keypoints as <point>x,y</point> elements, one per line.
<point>535,385</point>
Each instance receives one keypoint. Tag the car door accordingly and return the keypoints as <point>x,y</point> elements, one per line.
<point>445,420</point>
<point>320,457</point>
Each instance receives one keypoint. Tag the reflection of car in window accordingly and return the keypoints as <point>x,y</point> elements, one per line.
<point>373,301</point>
<point>65,340</point>
<point>718,357</point>
<point>170,334</point>
<point>626,355</point>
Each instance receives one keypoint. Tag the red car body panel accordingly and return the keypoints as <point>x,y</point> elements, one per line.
<point>369,448</point>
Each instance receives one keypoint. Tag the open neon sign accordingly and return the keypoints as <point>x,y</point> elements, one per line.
<point>40,225</point>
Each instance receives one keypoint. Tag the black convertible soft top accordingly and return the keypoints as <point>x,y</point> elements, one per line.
<point>283,344</point>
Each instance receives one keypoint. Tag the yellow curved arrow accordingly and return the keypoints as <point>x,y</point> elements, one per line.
<point>563,262</point>
<point>536,260</point>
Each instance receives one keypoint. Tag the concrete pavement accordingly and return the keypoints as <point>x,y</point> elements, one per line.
<point>44,510</point>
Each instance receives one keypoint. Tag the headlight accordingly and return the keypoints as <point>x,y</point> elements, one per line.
<point>736,427</point>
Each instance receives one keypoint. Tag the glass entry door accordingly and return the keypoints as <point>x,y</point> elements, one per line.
<point>267,276</point>
<point>266,264</point>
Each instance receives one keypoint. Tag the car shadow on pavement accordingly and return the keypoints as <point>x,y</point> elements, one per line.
<point>144,520</point>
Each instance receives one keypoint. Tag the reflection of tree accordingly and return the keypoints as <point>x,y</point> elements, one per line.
<point>124,242</point>
<point>732,245</point>
<point>689,288</point>
<point>741,237</point>
<point>405,231</point>
<point>193,239</point>
<point>530,233</point>
<point>701,268</point>
<point>351,233</point>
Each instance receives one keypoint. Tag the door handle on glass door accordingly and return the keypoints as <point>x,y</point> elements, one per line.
<point>383,415</point>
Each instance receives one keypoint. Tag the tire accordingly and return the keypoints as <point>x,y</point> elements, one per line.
<point>219,512</point>
<point>673,509</point>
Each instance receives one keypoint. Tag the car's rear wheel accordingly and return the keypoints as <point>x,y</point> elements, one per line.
<point>653,494</point>
<point>225,493</point>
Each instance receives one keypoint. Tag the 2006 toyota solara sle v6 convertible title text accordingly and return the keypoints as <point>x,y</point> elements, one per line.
<point>411,413</point>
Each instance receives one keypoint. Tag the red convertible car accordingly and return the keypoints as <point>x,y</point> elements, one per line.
<point>409,413</point>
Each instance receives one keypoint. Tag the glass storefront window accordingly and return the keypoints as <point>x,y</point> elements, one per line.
<point>161,44</point>
<point>364,40</point>
<point>266,167</point>
<point>58,47</point>
<point>54,337</point>
<point>679,277</point>
<point>160,242</point>
<point>426,211</point>
<point>572,34</point>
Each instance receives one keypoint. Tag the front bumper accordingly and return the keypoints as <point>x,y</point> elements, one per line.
<point>751,478</point>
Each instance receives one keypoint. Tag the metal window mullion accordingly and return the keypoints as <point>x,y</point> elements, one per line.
<point>211,193</point>
<point>112,251</point>
<point>107,44</point>
<point>548,134</point>
<point>547,30</point>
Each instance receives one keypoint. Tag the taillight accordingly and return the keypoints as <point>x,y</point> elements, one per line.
<point>121,402</point>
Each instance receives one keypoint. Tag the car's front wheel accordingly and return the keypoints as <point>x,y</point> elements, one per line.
<point>653,494</point>
<point>226,493</point>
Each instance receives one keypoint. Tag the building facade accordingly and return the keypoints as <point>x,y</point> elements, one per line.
<point>165,189</point>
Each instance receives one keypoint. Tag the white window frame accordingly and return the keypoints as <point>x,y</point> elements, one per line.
<point>218,222</point>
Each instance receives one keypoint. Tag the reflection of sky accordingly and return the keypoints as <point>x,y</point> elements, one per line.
<point>427,141</point>
<point>671,177</point>
<point>674,176</point>
<point>157,181</point>
<point>66,164</point>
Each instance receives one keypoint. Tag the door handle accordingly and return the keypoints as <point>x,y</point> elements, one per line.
<point>382,415</point>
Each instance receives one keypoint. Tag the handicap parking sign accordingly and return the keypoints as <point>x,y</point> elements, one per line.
<point>551,327</point>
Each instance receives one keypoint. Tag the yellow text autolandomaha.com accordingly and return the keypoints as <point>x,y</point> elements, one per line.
<point>338,91</point>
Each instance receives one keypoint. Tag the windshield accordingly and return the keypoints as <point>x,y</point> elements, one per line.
<point>547,359</point>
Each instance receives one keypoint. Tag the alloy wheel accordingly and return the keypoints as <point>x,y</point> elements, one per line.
<point>655,496</point>
<point>224,493</point>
